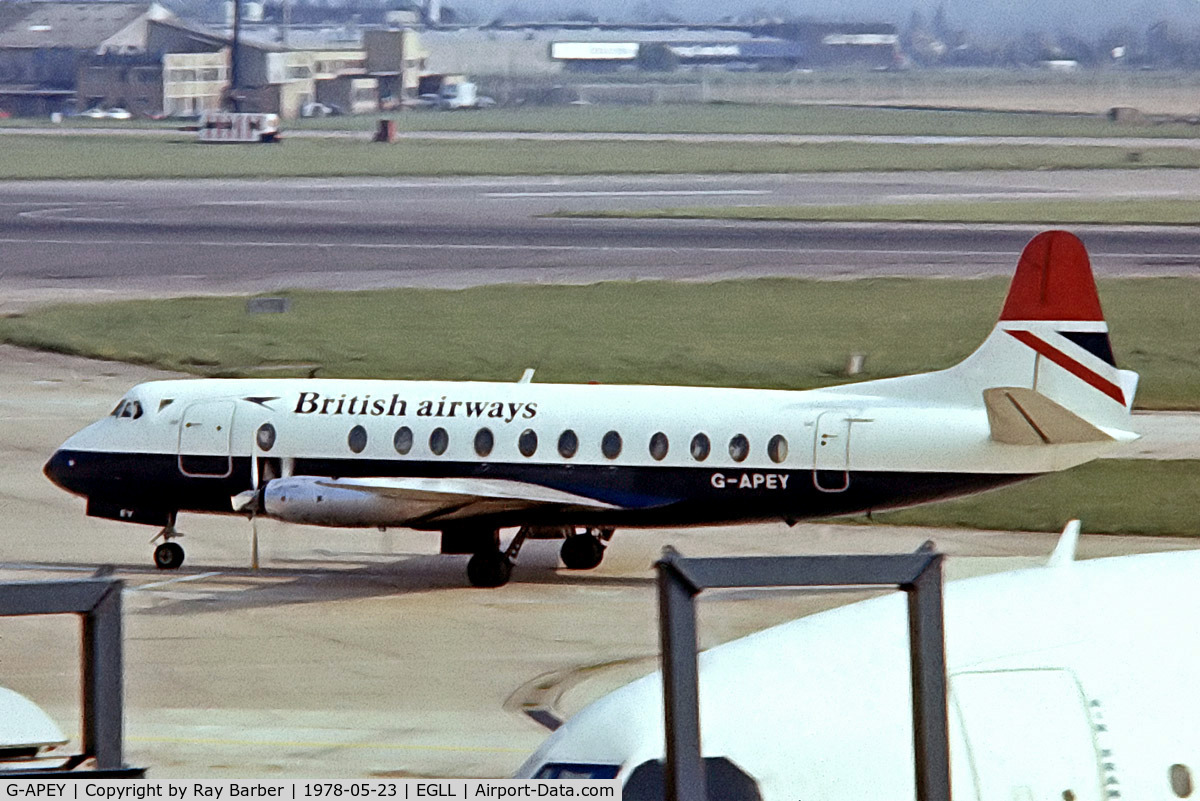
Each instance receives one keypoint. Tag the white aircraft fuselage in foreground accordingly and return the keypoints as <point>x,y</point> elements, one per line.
<point>1041,394</point>
<point>1073,681</point>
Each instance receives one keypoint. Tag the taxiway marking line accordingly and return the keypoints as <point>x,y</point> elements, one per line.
<point>632,193</point>
<point>459,246</point>
<point>176,580</point>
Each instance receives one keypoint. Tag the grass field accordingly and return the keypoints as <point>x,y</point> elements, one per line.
<point>758,119</point>
<point>37,157</point>
<point>781,333</point>
<point>1109,497</point>
<point>1137,211</point>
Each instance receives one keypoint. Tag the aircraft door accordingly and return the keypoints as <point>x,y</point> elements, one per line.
<point>831,452</point>
<point>205,432</point>
<point>1029,735</point>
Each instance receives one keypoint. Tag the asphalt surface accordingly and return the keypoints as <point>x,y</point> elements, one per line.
<point>87,240</point>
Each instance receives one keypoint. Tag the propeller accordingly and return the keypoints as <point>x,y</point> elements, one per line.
<point>254,507</point>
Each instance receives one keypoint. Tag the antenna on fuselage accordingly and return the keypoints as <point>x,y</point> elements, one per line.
<point>526,377</point>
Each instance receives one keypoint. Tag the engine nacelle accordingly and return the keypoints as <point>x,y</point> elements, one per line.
<point>339,502</point>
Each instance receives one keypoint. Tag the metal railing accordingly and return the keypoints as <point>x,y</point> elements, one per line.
<point>98,602</point>
<point>919,575</point>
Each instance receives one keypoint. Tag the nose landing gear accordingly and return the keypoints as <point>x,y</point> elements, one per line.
<point>168,555</point>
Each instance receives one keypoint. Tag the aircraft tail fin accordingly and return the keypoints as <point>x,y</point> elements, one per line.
<point>1046,371</point>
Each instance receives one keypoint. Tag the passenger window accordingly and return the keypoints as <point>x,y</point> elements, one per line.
<point>777,449</point>
<point>701,447</point>
<point>610,446</point>
<point>403,441</point>
<point>265,437</point>
<point>577,770</point>
<point>439,440</point>
<point>527,442</point>
<point>357,439</point>
<point>739,448</point>
<point>659,446</point>
<point>484,441</point>
<point>1181,781</point>
<point>568,444</point>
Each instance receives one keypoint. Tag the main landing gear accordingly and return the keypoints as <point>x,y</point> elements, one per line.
<point>168,555</point>
<point>586,550</point>
<point>491,567</point>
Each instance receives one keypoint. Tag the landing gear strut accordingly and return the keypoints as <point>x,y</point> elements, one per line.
<point>490,567</point>
<point>168,555</point>
<point>585,551</point>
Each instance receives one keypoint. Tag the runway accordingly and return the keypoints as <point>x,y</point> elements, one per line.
<point>129,238</point>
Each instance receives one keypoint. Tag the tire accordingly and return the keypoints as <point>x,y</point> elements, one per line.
<point>581,552</point>
<point>489,570</point>
<point>168,556</point>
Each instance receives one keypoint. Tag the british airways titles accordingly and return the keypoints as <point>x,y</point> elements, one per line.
<point>395,406</point>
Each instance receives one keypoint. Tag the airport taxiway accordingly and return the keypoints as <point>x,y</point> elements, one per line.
<point>109,239</point>
<point>362,654</point>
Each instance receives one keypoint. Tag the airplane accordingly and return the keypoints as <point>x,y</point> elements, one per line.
<point>575,461</point>
<point>1074,680</point>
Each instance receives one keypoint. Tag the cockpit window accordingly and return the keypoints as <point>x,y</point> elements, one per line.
<point>577,770</point>
<point>129,409</point>
<point>117,409</point>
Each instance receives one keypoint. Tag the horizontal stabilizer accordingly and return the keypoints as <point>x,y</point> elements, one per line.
<point>1021,416</point>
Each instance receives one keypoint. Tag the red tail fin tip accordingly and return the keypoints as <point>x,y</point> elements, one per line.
<point>1053,281</point>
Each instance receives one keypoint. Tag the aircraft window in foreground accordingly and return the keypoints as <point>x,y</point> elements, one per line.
<point>484,441</point>
<point>403,440</point>
<point>610,446</point>
<point>659,446</point>
<point>739,448</point>
<point>527,442</point>
<point>777,448</point>
<point>568,444</point>
<point>439,440</point>
<point>265,437</point>
<point>701,447</point>
<point>357,439</point>
<point>577,770</point>
<point>1181,780</point>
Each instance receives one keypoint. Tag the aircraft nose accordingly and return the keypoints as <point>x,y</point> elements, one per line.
<point>60,470</point>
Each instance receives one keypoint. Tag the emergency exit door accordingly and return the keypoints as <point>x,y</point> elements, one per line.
<point>1029,735</point>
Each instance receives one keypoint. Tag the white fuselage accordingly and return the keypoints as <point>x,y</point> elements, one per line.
<point>770,454</point>
<point>1066,682</point>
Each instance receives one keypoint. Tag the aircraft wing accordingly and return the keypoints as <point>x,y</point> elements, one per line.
<point>406,501</point>
<point>462,498</point>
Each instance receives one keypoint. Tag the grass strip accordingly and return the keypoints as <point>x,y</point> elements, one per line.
<point>145,157</point>
<point>1048,212</point>
<point>1110,496</point>
<point>778,333</point>
<point>736,118</point>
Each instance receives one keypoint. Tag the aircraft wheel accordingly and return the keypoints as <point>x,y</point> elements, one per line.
<point>168,556</point>
<point>489,569</point>
<point>581,552</point>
